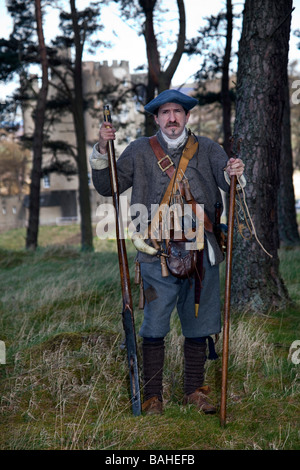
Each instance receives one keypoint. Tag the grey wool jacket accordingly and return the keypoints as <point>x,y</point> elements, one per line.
<point>137,168</point>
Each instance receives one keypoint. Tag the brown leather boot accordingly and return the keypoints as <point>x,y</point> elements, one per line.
<point>153,406</point>
<point>200,399</point>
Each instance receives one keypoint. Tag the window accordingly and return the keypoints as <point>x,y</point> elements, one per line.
<point>46,181</point>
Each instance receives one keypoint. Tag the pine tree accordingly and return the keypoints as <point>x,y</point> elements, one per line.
<point>38,137</point>
<point>159,77</point>
<point>263,54</point>
<point>78,27</point>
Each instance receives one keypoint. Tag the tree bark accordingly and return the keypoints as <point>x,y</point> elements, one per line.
<point>78,117</point>
<point>287,218</point>
<point>153,58</point>
<point>225,93</point>
<point>38,135</point>
<point>263,53</point>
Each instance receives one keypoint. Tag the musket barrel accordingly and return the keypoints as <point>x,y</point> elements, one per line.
<point>127,313</point>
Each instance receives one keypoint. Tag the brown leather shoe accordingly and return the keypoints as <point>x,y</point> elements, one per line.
<point>152,406</point>
<point>200,400</point>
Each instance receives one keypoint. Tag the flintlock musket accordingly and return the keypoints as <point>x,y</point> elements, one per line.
<point>127,313</point>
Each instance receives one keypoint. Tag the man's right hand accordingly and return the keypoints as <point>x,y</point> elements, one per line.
<point>107,132</point>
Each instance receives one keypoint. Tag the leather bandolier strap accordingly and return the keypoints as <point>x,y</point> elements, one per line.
<point>166,165</point>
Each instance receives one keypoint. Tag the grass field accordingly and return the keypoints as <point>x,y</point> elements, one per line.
<point>64,384</point>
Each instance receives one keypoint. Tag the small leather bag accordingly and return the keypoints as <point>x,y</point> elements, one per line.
<point>180,261</point>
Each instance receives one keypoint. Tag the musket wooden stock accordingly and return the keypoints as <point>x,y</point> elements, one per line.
<point>127,313</point>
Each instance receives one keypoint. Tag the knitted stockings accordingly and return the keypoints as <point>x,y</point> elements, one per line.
<point>153,363</point>
<point>194,362</point>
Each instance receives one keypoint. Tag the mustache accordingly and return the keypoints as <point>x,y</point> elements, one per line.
<point>172,124</point>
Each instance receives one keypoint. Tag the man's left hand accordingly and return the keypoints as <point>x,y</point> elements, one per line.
<point>235,166</point>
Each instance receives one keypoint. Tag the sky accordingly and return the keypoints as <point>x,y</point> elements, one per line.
<point>127,45</point>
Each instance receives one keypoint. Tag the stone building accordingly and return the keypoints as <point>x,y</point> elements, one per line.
<point>102,82</point>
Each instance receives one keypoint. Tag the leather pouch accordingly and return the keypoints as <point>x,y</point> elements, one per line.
<point>180,261</point>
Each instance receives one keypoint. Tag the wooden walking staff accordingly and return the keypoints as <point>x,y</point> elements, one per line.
<point>233,181</point>
<point>127,313</point>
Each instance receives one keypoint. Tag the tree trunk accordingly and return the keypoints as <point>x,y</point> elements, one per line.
<point>150,125</point>
<point>165,77</point>
<point>263,53</point>
<point>225,93</point>
<point>78,116</point>
<point>159,80</point>
<point>287,218</point>
<point>38,135</point>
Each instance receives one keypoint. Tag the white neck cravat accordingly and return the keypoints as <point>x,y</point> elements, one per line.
<point>175,143</point>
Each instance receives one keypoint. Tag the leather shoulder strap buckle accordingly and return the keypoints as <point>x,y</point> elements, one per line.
<point>165,163</point>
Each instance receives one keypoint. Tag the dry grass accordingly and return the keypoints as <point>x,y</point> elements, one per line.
<point>65,383</point>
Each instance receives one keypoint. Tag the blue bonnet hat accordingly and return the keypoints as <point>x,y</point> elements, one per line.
<point>170,96</point>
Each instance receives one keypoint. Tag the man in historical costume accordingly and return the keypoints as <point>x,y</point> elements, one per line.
<point>207,170</point>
